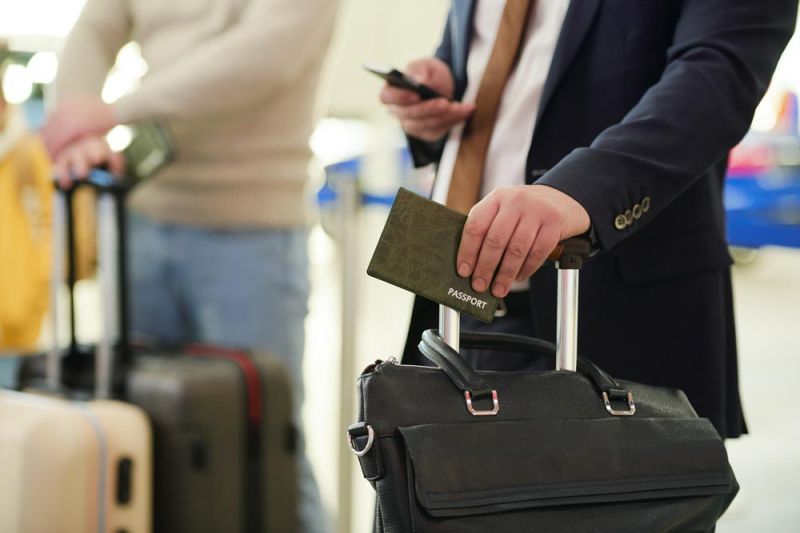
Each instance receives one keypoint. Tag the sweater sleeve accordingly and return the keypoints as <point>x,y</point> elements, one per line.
<point>273,42</point>
<point>102,28</point>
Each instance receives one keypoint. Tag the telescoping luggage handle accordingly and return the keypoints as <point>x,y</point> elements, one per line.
<point>568,257</point>
<point>111,272</point>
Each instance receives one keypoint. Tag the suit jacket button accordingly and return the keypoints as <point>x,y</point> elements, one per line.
<point>620,222</point>
<point>629,217</point>
<point>646,204</point>
<point>637,211</point>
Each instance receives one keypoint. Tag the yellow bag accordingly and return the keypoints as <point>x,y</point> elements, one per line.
<point>25,243</point>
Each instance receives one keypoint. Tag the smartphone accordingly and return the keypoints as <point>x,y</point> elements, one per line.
<point>396,78</point>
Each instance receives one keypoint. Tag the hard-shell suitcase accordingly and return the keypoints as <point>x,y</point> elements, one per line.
<point>75,465</point>
<point>224,439</point>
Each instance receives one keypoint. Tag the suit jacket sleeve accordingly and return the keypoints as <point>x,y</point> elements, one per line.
<point>422,152</point>
<point>718,68</point>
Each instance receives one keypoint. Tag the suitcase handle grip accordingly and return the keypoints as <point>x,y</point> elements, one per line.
<point>572,253</point>
<point>99,178</point>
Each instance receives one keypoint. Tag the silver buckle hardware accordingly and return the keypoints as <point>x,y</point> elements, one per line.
<point>474,412</point>
<point>631,406</point>
<point>502,309</point>
<point>368,447</point>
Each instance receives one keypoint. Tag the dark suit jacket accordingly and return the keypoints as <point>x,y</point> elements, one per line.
<point>643,101</point>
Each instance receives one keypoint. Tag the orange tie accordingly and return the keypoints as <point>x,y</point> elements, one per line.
<point>465,183</point>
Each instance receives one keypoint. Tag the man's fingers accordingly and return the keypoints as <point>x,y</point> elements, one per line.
<point>545,242</point>
<point>516,253</point>
<point>62,172</point>
<point>478,222</point>
<point>58,140</point>
<point>422,110</point>
<point>434,125</point>
<point>81,164</point>
<point>116,163</point>
<point>419,70</point>
<point>97,152</point>
<point>494,245</point>
<point>395,96</point>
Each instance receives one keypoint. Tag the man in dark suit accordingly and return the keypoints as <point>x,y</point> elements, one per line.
<point>626,128</point>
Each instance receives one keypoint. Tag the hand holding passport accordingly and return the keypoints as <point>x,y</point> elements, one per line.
<point>417,252</point>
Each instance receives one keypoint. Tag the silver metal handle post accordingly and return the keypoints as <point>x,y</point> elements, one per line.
<point>450,326</point>
<point>53,369</point>
<point>107,273</point>
<point>347,214</point>
<point>567,325</point>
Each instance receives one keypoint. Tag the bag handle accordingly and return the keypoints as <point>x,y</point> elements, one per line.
<point>473,386</point>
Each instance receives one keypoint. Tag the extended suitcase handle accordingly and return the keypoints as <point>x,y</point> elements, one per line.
<point>569,257</point>
<point>111,245</point>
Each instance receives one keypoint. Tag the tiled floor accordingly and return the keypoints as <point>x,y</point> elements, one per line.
<point>767,462</point>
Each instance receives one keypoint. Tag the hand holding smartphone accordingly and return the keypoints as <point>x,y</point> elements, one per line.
<point>397,78</point>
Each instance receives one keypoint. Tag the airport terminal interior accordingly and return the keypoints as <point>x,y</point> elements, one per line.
<point>354,319</point>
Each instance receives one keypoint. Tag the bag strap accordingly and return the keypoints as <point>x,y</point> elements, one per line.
<point>467,379</point>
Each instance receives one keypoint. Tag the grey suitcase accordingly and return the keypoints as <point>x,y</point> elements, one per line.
<point>224,449</point>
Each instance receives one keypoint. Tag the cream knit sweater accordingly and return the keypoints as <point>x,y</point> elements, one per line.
<point>236,81</point>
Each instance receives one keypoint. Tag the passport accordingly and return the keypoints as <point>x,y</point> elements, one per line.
<point>417,252</point>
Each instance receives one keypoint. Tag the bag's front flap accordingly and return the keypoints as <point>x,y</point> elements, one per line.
<point>483,467</point>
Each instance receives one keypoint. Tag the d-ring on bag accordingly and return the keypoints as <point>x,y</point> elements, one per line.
<point>451,449</point>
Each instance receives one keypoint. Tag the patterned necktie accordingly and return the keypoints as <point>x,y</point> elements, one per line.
<point>465,182</point>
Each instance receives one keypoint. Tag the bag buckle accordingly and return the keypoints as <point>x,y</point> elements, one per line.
<point>495,405</point>
<point>631,406</point>
<point>370,439</point>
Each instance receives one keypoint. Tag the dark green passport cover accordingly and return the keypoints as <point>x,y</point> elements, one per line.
<point>417,252</point>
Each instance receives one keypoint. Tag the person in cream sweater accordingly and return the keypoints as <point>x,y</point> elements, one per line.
<point>218,238</point>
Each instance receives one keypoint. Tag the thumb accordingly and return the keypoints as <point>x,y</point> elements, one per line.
<point>420,70</point>
<point>464,110</point>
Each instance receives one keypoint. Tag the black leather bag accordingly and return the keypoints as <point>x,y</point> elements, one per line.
<point>454,450</point>
<point>451,449</point>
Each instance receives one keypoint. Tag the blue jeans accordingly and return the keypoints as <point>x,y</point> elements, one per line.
<point>246,288</point>
<point>9,366</point>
